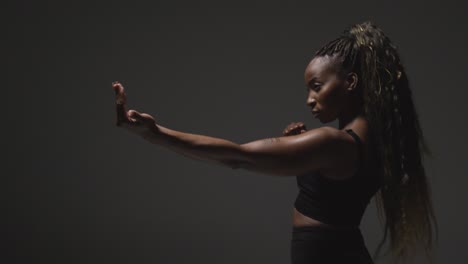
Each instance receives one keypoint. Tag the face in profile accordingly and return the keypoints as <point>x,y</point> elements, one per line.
<point>326,90</point>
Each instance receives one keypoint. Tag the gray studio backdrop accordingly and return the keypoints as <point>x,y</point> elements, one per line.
<point>80,190</point>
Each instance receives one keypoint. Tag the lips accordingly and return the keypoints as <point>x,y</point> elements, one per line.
<point>315,113</point>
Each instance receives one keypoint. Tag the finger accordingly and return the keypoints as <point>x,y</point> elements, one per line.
<point>297,130</point>
<point>301,125</point>
<point>291,132</point>
<point>120,93</point>
<point>143,118</point>
<point>136,118</point>
<point>296,125</point>
<point>121,101</point>
<point>133,114</point>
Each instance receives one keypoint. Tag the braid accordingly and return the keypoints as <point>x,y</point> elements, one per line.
<point>397,139</point>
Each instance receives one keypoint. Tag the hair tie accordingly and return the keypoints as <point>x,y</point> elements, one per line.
<point>398,75</point>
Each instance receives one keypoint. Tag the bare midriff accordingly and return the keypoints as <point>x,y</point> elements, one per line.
<point>302,220</point>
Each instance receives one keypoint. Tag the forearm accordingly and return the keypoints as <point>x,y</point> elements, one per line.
<point>199,147</point>
<point>283,156</point>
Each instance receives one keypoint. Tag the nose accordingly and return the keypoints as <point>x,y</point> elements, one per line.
<point>310,100</point>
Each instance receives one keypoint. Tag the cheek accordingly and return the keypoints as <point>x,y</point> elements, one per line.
<point>335,95</point>
<point>329,99</point>
<point>331,102</point>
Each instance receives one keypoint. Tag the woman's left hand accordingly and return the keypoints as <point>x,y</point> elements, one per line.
<point>294,128</point>
<point>138,123</point>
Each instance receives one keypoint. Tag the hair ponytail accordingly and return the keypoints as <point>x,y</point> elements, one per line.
<point>404,199</point>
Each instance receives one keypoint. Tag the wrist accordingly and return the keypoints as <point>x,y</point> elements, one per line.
<point>152,133</point>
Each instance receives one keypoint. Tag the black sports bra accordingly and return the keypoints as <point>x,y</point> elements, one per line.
<point>337,202</point>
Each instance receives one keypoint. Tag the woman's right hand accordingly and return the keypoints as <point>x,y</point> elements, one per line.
<point>138,123</point>
<point>294,128</point>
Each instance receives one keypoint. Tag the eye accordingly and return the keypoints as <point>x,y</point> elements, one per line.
<point>315,87</point>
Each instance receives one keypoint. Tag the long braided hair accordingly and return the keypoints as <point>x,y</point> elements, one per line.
<point>404,199</point>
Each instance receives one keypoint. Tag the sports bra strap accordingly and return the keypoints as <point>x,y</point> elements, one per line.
<point>358,140</point>
<point>354,135</point>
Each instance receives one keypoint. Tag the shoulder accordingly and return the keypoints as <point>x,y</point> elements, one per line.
<point>316,149</point>
<point>331,136</point>
<point>339,147</point>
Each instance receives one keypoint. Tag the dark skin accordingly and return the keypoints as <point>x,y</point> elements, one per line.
<point>298,151</point>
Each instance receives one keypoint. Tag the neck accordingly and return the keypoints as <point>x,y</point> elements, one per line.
<point>348,117</point>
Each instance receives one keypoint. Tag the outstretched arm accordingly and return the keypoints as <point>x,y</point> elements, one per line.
<point>284,156</point>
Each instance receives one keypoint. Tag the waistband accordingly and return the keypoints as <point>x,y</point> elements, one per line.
<point>320,233</point>
<point>350,229</point>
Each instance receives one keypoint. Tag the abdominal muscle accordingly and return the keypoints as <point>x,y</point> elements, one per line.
<point>302,220</point>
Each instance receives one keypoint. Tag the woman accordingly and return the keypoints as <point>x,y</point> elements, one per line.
<point>377,150</point>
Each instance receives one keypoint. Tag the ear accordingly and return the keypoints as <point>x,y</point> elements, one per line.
<point>351,82</point>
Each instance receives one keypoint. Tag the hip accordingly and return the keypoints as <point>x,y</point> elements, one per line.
<point>317,244</point>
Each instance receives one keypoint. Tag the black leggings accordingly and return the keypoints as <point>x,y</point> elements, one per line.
<point>321,245</point>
